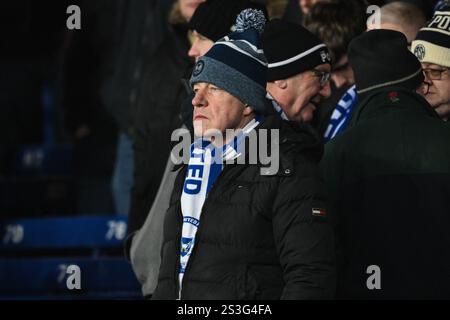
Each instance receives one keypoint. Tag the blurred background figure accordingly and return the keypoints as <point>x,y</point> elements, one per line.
<point>143,28</point>
<point>440,5</point>
<point>306,5</point>
<point>87,55</point>
<point>56,205</point>
<point>402,16</point>
<point>297,9</point>
<point>157,111</point>
<point>336,23</point>
<point>32,127</point>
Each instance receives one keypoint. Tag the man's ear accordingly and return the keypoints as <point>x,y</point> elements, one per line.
<point>247,110</point>
<point>282,84</point>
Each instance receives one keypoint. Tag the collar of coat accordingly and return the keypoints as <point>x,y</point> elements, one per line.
<point>390,99</point>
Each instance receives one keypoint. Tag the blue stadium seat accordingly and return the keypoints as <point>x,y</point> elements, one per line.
<point>50,276</point>
<point>44,160</point>
<point>37,258</point>
<point>59,233</point>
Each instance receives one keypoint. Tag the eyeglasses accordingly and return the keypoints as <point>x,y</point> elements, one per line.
<point>434,74</point>
<point>324,76</point>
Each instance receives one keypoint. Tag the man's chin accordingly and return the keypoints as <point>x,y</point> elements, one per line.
<point>198,128</point>
<point>443,110</point>
<point>308,112</point>
<point>432,100</point>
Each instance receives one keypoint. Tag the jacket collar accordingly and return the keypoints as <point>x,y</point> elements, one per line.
<point>387,100</point>
<point>294,139</point>
<point>292,136</point>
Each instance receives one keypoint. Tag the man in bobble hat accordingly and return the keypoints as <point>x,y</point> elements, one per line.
<point>233,231</point>
<point>388,179</point>
<point>212,20</point>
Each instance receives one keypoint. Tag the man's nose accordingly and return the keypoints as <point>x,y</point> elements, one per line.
<point>199,99</point>
<point>423,88</point>
<point>194,51</point>
<point>325,91</point>
<point>427,79</point>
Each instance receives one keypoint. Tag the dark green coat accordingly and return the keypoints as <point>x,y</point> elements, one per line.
<point>388,178</point>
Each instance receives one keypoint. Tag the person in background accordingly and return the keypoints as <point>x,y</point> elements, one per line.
<point>298,72</point>
<point>426,6</point>
<point>156,114</point>
<point>86,57</point>
<point>213,20</point>
<point>336,24</point>
<point>306,5</point>
<point>400,16</point>
<point>142,30</point>
<point>432,48</point>
<point>297,9</point>
<point>388,179</point>
<point>440,5</point>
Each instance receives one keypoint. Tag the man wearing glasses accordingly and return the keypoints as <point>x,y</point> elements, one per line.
<point>336,24</point>
<point>432,48</point>
<point>298,76</point>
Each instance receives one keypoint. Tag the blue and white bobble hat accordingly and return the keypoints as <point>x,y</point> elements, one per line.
<point>236,63</point>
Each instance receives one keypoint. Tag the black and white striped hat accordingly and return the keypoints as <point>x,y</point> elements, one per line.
<point>291,49</point>
<point>432,44</point>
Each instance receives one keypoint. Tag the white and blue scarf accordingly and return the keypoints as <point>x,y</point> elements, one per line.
<point>440,5</point>
<point>205,166</point>
<point>277,107</point>
<point>341,114</point>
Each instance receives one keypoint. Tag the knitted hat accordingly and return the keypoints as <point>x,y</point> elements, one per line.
<point>291,49</point>
<point>432,44</point>
<point>215,19</point>
<point>236,63</point>
<point>381,58</point>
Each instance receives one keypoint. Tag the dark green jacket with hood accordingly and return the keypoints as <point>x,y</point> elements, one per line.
<point>388,178</point>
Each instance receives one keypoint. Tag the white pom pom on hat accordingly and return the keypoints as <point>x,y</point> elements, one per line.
<point>250,18</point>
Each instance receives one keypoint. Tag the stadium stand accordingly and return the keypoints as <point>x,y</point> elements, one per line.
<point>37,259</point>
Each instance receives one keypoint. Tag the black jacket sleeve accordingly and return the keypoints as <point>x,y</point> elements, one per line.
<point>304,236</point>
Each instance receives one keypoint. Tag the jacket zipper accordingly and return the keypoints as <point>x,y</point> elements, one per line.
<point>178,249</point>
<point>197,236</point>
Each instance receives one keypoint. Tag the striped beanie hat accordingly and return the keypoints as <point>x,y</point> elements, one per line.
<point>291,49</point>
<point>432,44</point>
<point>236,63</point>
